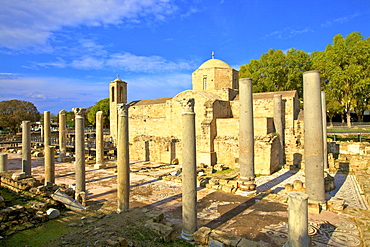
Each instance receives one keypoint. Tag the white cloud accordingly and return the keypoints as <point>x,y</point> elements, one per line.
<point>339,20</point>
<point>31,23</point>
<point>56,93</point>
<point>118,61</point>
<point>287,32</point>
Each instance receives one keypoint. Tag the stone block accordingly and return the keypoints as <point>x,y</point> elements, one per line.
<point>202,235</point>
<point>314,208</point>
<point>52,213</point>
<point>163,231</point>
<point>227,239</point>
<point>18,176</point>
<point>248,243</point>
<point>155,216</point>
<point>215,243</point>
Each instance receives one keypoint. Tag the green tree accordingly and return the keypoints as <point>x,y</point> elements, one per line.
<point>13,112</point>
<point>102,105</point>
<point>277,71</point>
<point>345,70</point>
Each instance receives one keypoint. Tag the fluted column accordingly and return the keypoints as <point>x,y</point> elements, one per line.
<point>80,154</point>
<point>123,159</point>
<point>26,147</point>
<point>278,122</point>
<point>62,135</point>
<point>189,176</point>
<point>99,143</point>
<point>324,130</point>
<point>313,137</point>
<point>246,136</point>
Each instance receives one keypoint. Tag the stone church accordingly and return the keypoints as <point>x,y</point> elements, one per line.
<point>155,124</point>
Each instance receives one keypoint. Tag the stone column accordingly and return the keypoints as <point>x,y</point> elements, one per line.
<point>80,154</point>
<point>324,129</point>
<point>62,135</point>
<point>246,137</point>
<point>49,161</point>
<point>189,175</point>
<point>297,220</point>
<point>26,147</point>
<point>278,122</point>
<point>123,159</point>
<point>313,148</point>
<point>99,143</point>
<point>3,162</point>
<point>47,133</point>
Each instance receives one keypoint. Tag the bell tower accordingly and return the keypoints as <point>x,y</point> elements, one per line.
<point>117,95</point>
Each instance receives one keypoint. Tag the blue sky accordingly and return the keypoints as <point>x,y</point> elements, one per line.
<point>63,54</point>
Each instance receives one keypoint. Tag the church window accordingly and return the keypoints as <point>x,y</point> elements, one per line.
<point>205,86</point>
<point>112,96</point>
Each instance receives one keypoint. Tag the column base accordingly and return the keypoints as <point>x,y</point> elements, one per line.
<point>99,166</point>
<point>187,237</point>
<point>246,192</point>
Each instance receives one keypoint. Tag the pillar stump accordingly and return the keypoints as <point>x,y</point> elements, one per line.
<point>313,138</point>
<point>80,155</point>
<point>123,159</point>
<point>26,147</point>
<point>189,175</point>
<point>246,138</point>
<point>297,220</point>
<point>49,163</point>
<point>3,162</point>
<point>99,143</point>
<point>62,135</point>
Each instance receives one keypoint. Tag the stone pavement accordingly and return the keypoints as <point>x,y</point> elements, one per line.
<point>261,218</point>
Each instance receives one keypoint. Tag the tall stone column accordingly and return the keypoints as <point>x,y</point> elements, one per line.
<point>26,147</point>
<point>278,122</point>
<point>62,135</point>
<point>49,161</point>
<point>99,143</point>
<point>47,133</point>
<point>297,220</point>
<point>123,159</point>
<point>80,154</point>
<point>313,148</point>
<point>189,175</point>
<point>324,129</point>
<point>3,162</point>
<point>246,137</point>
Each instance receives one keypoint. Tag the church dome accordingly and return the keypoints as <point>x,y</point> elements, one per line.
<point>214,63</point>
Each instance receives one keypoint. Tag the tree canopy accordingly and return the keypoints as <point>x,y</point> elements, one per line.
<point>13,112</point>
<point>345,72</point>
<point>344,67</point>
<point>102,105</point>
<point>277,71</point>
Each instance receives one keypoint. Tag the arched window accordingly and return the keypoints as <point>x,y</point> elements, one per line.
<point>112,96</point>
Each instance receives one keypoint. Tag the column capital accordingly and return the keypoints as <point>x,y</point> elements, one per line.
<point>79,112</point>
<point>62,112</point>
<point>122,109</point>
<point>187,104</point>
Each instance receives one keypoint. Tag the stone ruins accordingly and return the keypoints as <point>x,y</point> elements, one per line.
<point>217,165</point>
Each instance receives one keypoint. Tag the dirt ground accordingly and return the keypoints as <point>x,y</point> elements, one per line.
<point>260,218</point>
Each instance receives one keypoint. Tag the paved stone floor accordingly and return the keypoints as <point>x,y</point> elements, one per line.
<point>256,218</point>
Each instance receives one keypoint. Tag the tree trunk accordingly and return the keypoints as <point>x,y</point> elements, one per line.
<point>348,119</point>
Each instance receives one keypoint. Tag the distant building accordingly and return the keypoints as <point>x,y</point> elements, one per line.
<point>155,124</point>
